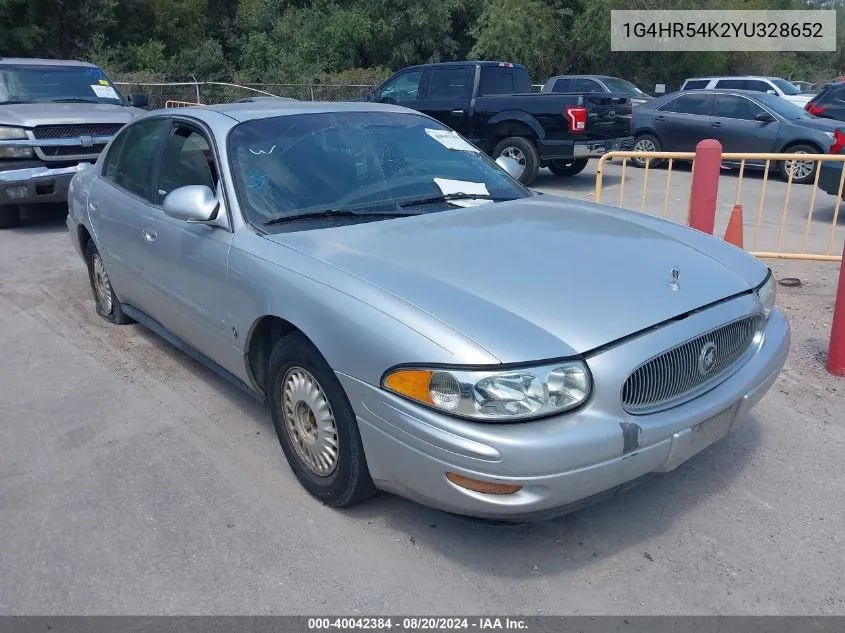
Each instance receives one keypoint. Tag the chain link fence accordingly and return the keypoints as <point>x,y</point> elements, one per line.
<point>161,95</point>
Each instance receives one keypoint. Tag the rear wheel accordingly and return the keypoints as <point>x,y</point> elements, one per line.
<point>523,151</point>
<point>567,167</point>
<point>10,216</point>
<point>316,425</point>
<point>647,143</point>
<point>803,171</point>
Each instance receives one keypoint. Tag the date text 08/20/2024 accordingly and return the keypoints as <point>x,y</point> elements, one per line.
<point>416,623</point>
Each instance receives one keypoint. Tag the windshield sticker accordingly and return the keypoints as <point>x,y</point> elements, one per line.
<point>448,186</point>
<point>451,140</point>
<point>259,152</point>
<point>103,82</point>
<point>257,182</point>
<point>104,92</point>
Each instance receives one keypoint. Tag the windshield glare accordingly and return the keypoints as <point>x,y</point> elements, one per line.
<point>620,85</point>
<point>786,87</point>
<point>368,161</point>
<point>45,84</point>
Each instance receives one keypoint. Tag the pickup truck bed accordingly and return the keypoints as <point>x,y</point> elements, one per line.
<point>490,104</point>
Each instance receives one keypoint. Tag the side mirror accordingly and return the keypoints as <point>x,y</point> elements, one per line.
<point>192,203</point>
<point>371,96</point>
<point>137,100</point>
<point>512,167</point>
<point>771,92</point>
<point>764,117</point>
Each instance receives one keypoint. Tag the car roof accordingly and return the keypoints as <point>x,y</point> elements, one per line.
<point>463,63</point>
<point>585,76</point>
<point>270,108</point>
<point>33,61</point>
<point>732,77</point>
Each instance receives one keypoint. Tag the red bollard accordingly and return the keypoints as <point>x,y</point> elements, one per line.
<point>836,351</point>
<point>705,185</point>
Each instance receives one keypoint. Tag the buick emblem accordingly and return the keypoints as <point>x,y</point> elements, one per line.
<point>707,358</point>
<point>86,141</point>
<point>674,275</point>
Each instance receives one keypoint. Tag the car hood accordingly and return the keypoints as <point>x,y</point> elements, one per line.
<point>537,278</point>
<point>32,114</point>
<point>820,124</point>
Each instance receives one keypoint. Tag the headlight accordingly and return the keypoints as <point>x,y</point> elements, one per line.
<point>766,292</point>
<point>13,134</point>
<point>497,396</point>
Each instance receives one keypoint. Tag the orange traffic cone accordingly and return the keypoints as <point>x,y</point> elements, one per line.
<point>733,234</point>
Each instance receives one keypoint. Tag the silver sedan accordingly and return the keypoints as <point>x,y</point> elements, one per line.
<point>416,320</point>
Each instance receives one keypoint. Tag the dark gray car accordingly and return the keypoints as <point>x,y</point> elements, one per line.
<point>742,121</point>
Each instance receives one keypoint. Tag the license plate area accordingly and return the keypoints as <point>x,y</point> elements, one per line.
<point>709,431</point>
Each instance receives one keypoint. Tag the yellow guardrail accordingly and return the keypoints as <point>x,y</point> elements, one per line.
<point>766,161</point>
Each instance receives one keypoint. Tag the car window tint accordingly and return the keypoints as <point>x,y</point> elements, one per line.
<point>562,85</point>
<point>733,107</point>
<point>113,155</point>
<point>187,160</point>
<point>451,83</point>
<point>139,156</point>
<point>732,84</point>
<point>501,80</point>
<point>580,84</point>
<point>836,95</point>
<point>758,85</point>
<point>696,84</point>
<point>689,104</point>
<point>402,88</point>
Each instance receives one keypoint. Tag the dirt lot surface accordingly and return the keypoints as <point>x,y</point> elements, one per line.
<point>134,481</point>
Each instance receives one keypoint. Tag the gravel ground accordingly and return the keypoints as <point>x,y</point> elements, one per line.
<point>133,481</point>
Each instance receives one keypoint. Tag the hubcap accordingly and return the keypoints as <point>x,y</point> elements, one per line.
<point>800,168</point>
<point>516,154</point>
<point>102,286</point>
<point>644,145</point>
<point>309,422</point>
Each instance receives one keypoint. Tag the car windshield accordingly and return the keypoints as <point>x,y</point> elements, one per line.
<point>784,108</point>
<point>36,83</point>
<point>785,87</point>
<point>348,165</point>
<point>620,85</point>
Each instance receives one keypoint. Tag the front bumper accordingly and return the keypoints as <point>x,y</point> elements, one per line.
<point>564,460</point>
<point>31,185</point>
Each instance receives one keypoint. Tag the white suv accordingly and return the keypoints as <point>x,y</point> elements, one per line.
<point>772,85</point>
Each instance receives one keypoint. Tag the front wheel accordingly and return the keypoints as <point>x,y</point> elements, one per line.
<point>647,143</point>
<point>567,167</point>
<point>523,151</point>
<point>316,425</point>
<point>803,171</point>
<point>105,300</point>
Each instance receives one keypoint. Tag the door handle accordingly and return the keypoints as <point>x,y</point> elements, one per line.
<point>93,205</point>
<point>459,112</point>
<point>660,118</point>
<point>149,234</point>
<point>716,124</point>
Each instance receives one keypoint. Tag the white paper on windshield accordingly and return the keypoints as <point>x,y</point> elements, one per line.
<point>448,186</point>
<point>450,139</point>
<point>104,92</point>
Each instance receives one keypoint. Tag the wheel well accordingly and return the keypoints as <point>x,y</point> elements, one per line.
<point>785,149</point>
<point>265,333</point>
<point>505,129</point>
<point>83,235</point>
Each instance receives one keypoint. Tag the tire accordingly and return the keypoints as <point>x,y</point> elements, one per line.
<point>567,167</point>
<point>806,176</point>
<point>105,301</point>
<point>10,216</point>
<point>524,152</point>
<point>647,143</point>
<point>342,479</point>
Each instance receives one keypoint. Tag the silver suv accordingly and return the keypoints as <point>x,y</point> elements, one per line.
<point>54,116</point>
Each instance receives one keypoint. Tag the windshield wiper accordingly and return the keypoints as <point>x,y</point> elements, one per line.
<point>452,196</point>
<point>336,213</point>
<point>74,100</point>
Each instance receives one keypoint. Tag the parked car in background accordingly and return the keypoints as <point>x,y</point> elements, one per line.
<point>742,121</point>
<point>416,320</point>
<point>770,85</point>
<point>54,116</point>
<point>829,103</point>
<point>595,83</point>
<point>491,105</point>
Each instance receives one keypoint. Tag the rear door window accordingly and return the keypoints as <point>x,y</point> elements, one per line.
<point>689,104</point>
<point>759,85</point>
<point>732,84</point>
<point>696,84</point>
<point>504,80</point>
<point>562,85</point>
<point>451,83</point>
<point>582,84</point>
<point>733,107</point>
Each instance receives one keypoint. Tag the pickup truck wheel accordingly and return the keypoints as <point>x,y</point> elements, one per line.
<point>316,425</point>
<point>105,301</point>
<point>523,151</point>
<point>647,143</point>
<point>562,167</point>
<point>10,216</point>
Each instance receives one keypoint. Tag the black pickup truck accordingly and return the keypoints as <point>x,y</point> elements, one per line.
<point>492,106</point>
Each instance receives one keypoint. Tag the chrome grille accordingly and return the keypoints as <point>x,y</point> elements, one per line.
<point>75,131</point>
<point>679,374</point>
<point>71,150</point>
